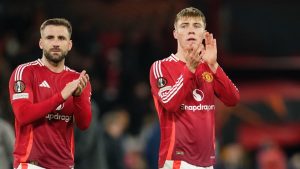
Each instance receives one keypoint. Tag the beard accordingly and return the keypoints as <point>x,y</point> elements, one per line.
<point>55,58</point>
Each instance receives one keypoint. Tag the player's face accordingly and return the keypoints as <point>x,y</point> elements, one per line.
<point>55,43</point>
<point>189,31</point>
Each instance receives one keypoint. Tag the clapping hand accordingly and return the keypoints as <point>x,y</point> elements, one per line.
<point>83,80</point>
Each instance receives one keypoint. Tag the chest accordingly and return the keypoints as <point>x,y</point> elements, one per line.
<point>46,84</point>
<point>202,80</point>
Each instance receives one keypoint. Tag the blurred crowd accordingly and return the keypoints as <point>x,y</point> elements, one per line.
<point>116,42</point>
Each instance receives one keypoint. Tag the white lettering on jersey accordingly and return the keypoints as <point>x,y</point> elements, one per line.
<point>199,107</point>
<point>20,96</point>
<point>57,116</point>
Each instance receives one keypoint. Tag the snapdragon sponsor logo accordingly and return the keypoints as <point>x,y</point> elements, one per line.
<point>58,116</point>
<point>197,108</point>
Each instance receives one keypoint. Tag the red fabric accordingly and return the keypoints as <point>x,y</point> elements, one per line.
<point>176,164</point>
<point>185,103</point>
<point>24,166</point>
<point>44,121</point>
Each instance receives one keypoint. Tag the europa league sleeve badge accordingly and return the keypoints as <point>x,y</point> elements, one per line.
<point>19,86</point>
<point>161,82</point>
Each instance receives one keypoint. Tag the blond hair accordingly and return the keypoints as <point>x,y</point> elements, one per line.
<point>57,22</point>
<point>190,12</point>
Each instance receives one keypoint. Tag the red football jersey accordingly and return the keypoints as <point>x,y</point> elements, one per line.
<point>186,109</point>
<point>43,120</point>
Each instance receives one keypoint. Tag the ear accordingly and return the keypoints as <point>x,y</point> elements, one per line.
<point>70,45</point>
<point>41,44</point>
<point>175,33</point>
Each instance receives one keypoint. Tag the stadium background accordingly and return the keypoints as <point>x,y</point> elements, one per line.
<point>117,41</point>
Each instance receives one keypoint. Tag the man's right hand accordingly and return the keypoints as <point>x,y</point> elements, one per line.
<point>193,56</point>
<point>69,89</point>
<point>83,81</point>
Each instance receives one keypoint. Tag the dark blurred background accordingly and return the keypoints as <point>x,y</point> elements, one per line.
<point>116,41</point>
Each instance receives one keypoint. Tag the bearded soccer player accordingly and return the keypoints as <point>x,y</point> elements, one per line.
<point>184,86</point>
<point>47,98</point>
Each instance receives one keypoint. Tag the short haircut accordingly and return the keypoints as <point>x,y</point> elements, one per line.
<point>190,12</point>
<point>57,22</point>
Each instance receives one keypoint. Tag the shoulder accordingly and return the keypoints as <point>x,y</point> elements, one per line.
<point>29,64</point>
<point>71,72</point>
<point>22,69</point>
<point>166,61</point>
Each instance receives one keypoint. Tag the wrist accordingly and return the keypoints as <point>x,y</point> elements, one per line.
<point>213,67</point>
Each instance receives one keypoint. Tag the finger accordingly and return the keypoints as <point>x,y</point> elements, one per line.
<point>83,81</point>
<point>208,38</point>
<point>215,43</point>
<point>82,74</point>
<point>194,52</point>
<point>80,86</point>
<point>199,51</point>
<point>87,77</point>
<point>211,38</point>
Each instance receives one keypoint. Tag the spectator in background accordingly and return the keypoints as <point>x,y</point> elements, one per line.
<point>89,152</point>
<point>232,157</point>
<point>4,77</point>
<point>294,162</point>
<point>271,156</point>
<point>7,139</point>
<point>184,86</point>
<point>114,124</point>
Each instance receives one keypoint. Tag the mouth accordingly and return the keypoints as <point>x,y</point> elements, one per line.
<point>191,39</point>
<point>55,50</point>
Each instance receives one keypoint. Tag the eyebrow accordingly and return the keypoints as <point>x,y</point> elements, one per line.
<point>195,23</point>
<point>59,36</point>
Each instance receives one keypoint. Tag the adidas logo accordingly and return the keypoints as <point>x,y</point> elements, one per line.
<point>44,84</point>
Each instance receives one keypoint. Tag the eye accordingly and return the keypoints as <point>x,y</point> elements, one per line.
<point>183,25</point>
<point>198,26</point>
<point>49,37</point>
<point>62,38</point>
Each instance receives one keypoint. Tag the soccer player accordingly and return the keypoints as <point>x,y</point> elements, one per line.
<point>47,98</point>
<point>184,86</point>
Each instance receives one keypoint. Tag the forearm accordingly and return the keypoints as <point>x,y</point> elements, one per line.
<point>225,90</point>
<point>27,112</point>
<point>82,112</point>
<point>83,108</point>
<point>213,67</point>
<point>175,95</point>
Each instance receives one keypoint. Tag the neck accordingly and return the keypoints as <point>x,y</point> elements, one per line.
<point>180,54</point>
<point>54,67</point>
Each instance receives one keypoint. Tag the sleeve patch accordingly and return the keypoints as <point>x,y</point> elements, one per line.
<point>161,82</point>
<point>20,96</point>
<point>19,86</point>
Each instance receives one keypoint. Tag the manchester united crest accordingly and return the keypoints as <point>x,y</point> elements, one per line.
<point>207,76</point>
<point>19,86</point>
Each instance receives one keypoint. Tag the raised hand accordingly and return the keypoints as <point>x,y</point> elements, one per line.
<point>75,87</point>
<point>83,81</point>
<point>210,56</point>
<point>69,89</point>
<point>193,56</point>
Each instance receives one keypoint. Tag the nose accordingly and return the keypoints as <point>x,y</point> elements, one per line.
<point>191,30</point>
<point>55,42</point>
